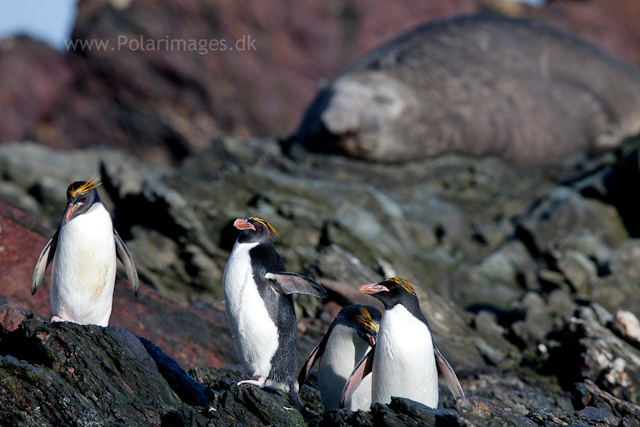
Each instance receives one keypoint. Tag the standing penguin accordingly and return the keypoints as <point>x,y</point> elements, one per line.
<point>259,305</point>
<point>352,333</point>
<point>83,251</point>
<point>403,361</point>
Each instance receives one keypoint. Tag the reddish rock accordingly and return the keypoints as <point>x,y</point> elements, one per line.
<point>11,315</point>
<point>611,25</point>
<point>193,336</point>
<point>21,241</point>
<point>34,80</point>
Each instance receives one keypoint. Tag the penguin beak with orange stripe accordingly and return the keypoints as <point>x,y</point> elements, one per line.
<point>72,210</point>
<point>243,224</point>
<point>373,288</point>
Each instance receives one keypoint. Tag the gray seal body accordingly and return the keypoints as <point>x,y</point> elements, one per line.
<point>477,85</point>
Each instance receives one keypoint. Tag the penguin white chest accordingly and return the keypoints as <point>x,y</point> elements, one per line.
<point>84,268</point>
<point>254,332</point>
<point>344,350</point>
<point>404,362</point>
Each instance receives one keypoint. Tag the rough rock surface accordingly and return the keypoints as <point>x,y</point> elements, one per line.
<point>110,375</point>
<point>521,273</point>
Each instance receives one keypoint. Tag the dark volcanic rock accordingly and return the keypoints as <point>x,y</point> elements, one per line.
<point>564,211</point>
<point>527,257</point>
<point>57,374</point>
<point>67,374</point>
<point>593,351</point>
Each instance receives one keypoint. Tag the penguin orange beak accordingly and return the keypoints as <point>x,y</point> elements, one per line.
<point>243,224</point>
<point>373,288</point>
<point>71,211</point>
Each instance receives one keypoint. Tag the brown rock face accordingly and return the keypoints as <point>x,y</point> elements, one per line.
<point>21,239</point>
<point>33,81</point>
<point>154,92</point>
<point>192,336</point>
<point>175,74</point>
<point>611,25</point>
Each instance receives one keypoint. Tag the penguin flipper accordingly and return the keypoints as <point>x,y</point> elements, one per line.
<point>41,266</point>
<point>449,375</point>
<point>313,357</point>
<point>291,283</point>
<point>362,369</point>
<point>125,258</point>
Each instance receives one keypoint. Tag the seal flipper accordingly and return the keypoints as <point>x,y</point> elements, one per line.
<point>362,369</point>
<point>125,258</point>
<point>449,375</point>
<point>41,266</point>
<point>291,283</point>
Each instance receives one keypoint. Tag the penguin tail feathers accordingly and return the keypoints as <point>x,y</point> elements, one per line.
<point>291,283</point>
<point>362,369</point>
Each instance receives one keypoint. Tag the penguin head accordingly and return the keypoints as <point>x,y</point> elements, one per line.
<point>392,292</point>
<point>254,229</point>
<point>363,319</point>
<point>81,195</point>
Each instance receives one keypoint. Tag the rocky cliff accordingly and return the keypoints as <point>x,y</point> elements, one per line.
<point>528,277</point>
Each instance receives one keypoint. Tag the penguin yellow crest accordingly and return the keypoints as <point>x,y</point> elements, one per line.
<point>85,188</point>
<point>268,226</point>
<point>365,318</point>
<point>406,285</point>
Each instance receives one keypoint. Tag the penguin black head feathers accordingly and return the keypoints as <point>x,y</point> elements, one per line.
<point>254,229</point>
<point>81,195</point>
<point>392,292</point>
<point>367,320</point>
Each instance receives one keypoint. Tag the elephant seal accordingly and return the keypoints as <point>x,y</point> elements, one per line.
<point>478,85</point>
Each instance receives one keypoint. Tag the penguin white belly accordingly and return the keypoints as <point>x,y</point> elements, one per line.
<point>404,362</point>
<point>254,333</point>
<point>343,351</point>
<point>84,269</point>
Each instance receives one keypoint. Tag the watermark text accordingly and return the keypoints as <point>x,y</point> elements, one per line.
<point>144,44</point>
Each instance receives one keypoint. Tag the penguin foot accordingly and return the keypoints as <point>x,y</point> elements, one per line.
<point>259,382</point>
<point>57,319</point>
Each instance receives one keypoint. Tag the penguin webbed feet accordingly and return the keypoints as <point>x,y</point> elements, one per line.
<point>259,382</point>
<point>57,319</point>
